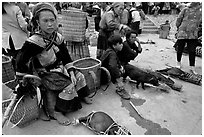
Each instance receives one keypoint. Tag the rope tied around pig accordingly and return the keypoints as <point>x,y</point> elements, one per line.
<point>121,130</point>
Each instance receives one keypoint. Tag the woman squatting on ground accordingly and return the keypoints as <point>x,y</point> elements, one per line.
<point>47,52</point>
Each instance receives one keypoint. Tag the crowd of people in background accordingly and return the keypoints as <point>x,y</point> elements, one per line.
<point>147,7</point>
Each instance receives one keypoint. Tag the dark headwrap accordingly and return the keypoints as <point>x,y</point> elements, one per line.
<point>36,10</point>
<point>43,6</point>
<point>116,4</point>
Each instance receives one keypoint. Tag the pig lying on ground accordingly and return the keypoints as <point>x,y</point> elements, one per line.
<point>101,123</point>
<point>140,76</point>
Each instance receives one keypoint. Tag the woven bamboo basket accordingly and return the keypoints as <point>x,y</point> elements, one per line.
<point>8,73</point>
<point>73,25</point>
<point>5,104</point>
<point>89,67</point>
<point>11,84</point>
<point>27,111</point>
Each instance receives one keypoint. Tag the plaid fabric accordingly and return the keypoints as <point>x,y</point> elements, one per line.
<point>78,50</point>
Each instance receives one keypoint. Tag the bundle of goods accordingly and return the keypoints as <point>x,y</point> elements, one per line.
<point>180,74</point>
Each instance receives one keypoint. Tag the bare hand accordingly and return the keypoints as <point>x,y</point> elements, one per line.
<point>73,79</point>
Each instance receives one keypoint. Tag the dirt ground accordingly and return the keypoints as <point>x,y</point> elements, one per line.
<point>158,113</point>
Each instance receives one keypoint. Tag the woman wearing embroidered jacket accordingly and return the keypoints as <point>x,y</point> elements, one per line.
<point>187,24</point>
<point>47,51</point>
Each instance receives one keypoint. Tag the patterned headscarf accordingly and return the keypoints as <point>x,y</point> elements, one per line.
<point>44,6</point>
<point>116,4</point>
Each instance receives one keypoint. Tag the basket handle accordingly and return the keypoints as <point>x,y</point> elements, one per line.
<point>109,77</point>
<point>15,107</point>
<point>93,75</point>
<point>8,110</point>
<point>27,76</point>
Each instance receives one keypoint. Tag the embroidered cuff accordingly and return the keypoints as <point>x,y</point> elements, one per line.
<point>69,66</point>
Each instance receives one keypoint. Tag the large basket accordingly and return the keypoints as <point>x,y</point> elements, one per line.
<point>27,110</point>
<point>90,68</point>
<point>73,25</point>
<point>8,72</point>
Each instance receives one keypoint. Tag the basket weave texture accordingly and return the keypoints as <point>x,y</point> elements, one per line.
<point>8,73</point>
<point>199,51</point>
<point>27,110</point>
<point>5,104</point>
<point>73,25</point>
<point>85,65</point>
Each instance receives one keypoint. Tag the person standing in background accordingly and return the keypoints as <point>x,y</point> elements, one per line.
<point>187,24</point>
<point>104,8</point>
<point>25,10</point>
<point>14,28</point>
<point>125,17</point>
<point>136,15</point>
<point>110,24</point>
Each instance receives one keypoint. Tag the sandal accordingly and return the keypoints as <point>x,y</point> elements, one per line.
<point>123,94</point>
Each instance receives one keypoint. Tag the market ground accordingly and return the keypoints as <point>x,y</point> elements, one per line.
<point>175,113</point>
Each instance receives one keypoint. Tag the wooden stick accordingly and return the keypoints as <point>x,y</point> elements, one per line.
<point>8,109</point>
<point>135,109</point>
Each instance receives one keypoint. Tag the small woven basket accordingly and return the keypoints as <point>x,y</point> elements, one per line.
<point>26,111</point>
<point>199,51</point>
<point>192,78</point>
<point>73,25</point>
<point>86,66</point>
<point>8,73</point>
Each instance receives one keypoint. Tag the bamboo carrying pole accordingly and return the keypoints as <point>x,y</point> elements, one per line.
<point>9,108</point>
